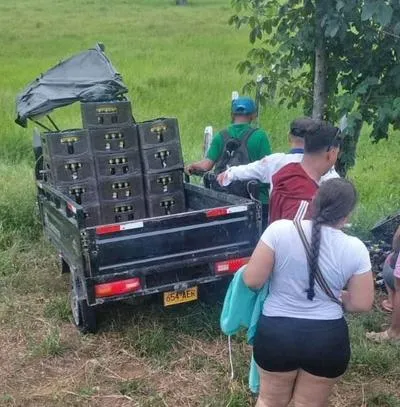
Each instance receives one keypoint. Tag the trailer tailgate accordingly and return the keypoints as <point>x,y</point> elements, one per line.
<point>189,238</point>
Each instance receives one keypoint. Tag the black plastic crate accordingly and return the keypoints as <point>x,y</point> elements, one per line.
<point>65,143</point>
<point>43,171</point>
<point>123,210</point>
<point>122,163</point>
<point>152,133</point>
<point>164,183</point>
<point>165,204</point>
<point>114,139</point>
<point>92,215</point>
<point>63,169</point>
<point>385,228</point>
<point>166,157</point>
<point>82,192</point>
<point>121,187</point>
<point>113,113</point>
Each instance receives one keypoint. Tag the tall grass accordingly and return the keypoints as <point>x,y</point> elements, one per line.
<point>17,198</point>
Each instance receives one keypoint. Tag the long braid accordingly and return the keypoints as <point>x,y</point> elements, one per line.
<point>317,223</point>
<point>334,201</point>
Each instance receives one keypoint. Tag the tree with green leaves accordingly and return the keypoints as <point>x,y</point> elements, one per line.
<point>333,57</point>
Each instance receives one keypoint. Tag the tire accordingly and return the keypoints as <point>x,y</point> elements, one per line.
<point>84,316</point>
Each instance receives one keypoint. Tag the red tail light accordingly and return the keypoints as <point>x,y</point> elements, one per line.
<point>118,287</point>
<point>71,208</point>
<point>230,266</point>
<point>113,227</point>
<point>106,229</point>
<point>213,213</point>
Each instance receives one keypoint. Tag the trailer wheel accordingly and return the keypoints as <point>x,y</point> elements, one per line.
<point>84,316</point>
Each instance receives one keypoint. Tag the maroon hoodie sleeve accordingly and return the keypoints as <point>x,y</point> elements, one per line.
<point>291,186</point>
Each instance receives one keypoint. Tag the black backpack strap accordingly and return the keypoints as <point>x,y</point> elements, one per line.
<point>244,140</point>
<point>248,134</point>
<point>224,158</point>
<point>226,136</point>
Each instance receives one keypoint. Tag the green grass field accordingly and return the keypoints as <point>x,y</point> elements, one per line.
<point>177,61</point>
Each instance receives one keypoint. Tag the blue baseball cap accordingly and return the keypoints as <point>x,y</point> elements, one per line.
<point>244,106</point>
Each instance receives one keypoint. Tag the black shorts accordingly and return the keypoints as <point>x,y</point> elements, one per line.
<point>321,348</point>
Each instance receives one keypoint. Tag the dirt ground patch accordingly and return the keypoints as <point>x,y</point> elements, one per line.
<point>148,356</point>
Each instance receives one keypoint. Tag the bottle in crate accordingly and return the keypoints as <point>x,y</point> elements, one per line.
<point>120,187</point>
<point>166,204</point>
<point>164,183</point>
<point>113,139</point>
<point>121,163</point>
<point>166,157</point>
<point>160,145</point>
<point>44,173</point>
<point>156,132</point>
<point>123,210</point>
<point>67,169</point>
<point>92,215</point>
<point>82,192</point>
<point>67,143</point>
<point>106,114</point>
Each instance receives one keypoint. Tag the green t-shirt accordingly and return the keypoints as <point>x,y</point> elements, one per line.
<point>257,146</point>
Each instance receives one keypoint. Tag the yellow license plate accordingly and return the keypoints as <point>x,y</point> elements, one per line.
<point>179,297</point>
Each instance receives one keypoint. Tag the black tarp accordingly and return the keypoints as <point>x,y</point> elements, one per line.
<point>88,76</point>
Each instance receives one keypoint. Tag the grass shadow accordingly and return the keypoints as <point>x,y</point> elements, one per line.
<point>368,358</point>
<point>155,331</point>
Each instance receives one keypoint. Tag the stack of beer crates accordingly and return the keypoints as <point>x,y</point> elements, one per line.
<point>116,169</point>
<point>162,162</point>
<point>114,141</point>
<point>69,166</point>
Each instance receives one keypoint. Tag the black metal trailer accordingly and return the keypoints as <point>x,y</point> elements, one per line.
<point>171,254</point>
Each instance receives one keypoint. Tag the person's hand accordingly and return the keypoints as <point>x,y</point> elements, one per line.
<point>223,179</point>
<point>344,297</point>
<point>189,169</point>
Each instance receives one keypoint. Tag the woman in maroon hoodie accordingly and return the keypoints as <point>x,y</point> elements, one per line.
<point>296,184</point>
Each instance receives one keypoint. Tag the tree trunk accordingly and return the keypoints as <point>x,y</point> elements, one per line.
<point>320,98</point>
<point>181,2</point>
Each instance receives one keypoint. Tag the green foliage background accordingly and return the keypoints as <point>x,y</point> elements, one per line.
<point>178,61</point>
<point>362,50</point>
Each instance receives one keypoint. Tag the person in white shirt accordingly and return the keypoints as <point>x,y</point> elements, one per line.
<point>263,170</point>
<point>302,344</point>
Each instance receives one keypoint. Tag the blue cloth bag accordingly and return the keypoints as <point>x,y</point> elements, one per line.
<point>242,310</point>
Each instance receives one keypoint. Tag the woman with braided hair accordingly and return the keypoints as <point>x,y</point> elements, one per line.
<point>302,343</point>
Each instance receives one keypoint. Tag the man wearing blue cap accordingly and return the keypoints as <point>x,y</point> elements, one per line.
<point>253,143</point>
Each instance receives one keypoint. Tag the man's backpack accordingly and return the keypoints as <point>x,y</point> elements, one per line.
<point>234,153</point>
